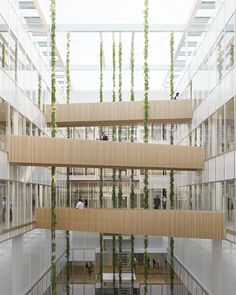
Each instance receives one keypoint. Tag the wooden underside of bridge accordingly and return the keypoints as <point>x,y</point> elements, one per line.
<point>175,223</point>
<point>121,113</point>
<point>62,152</point>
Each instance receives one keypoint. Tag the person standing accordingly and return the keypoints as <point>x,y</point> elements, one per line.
<point>157,202</point>
<point>153,263</point>
<point>164,201</point>
<point>4,209</point>
<point>80,204</point>
<point>103,136</point>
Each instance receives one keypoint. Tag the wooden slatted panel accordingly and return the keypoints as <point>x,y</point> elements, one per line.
<point>176,223</point>
<point>46,151</point>
<point>121,113</point>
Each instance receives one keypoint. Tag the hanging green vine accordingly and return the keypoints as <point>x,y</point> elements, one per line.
<point>120,171</point>
<point>219,60</point>
<point>146,132</point>
<point>16,61</point>
<point>68,98</point>
<point>132,98</point>
<point>3,55</point>
<point>171,196</point>
<point>114,203</point>
<point>53,134</point>
<point>39,90</point>
<point>101,170</point>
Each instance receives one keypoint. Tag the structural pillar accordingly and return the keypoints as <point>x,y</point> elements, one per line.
<point>217,267</point>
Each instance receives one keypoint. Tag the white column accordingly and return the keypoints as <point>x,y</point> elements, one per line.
<point>217,267</point>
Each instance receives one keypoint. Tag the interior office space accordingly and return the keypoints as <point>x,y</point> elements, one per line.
<point>117,147</point>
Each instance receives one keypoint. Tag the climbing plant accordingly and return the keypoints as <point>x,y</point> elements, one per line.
<point>190,143</point>
<point>132,98</point>
<point>219,61</point>
<point>53,134</point>
<point>146,133</point>
<point>120,171</point>
<point>39,90</point>
<point>171,195</point>
<point>68,98</point>
<point>3,55</point>
<point>114,260</point>
<point>101,170</point>
<point>16,60</point>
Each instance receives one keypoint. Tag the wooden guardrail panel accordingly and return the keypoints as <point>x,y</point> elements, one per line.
<point>121,113</point>
<point>46,151</point>
<point>176,223</point>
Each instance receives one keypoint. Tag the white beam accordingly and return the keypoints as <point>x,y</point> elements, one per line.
<point>81,67</point>
<point>91,28</point>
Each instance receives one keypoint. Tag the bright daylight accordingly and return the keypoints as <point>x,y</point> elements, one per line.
<point>117,147</point>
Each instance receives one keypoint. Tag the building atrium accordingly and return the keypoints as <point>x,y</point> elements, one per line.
<point>117,147</point>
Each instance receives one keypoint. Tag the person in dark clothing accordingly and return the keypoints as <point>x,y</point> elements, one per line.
<point>148,262</point>
<point>157,202</point>
<point>164,202</point>
<point>154,263</point>
<point>103,136</point>
<point>86,267</point>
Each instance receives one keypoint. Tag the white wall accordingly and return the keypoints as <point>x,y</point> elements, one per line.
<point>214,268</point>
<point>24,259</point>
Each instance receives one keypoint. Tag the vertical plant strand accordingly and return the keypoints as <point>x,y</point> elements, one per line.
<point>3,55</point>
<point>132,98</point>
<point>101,170</point>
<point>114,203</point>
<point>171,196</point>
<point>146,133</point>
<point>120,171</point>
<point>39,90</point>
<point>68,98</point>
<point>53,134</point>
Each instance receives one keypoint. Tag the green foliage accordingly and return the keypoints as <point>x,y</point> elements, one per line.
<point>132,260</point>
<point>101,72</point>
<point>114,258</point>
<point>146,191</point>
<point>53,134</point>
<point>146,70</point>
<point>68,79</point>
<point>113,71</point>
<point>101,259</point>
<point>68,97</point>
<point>120,260</point>
<point>101,189</point>
<point>132,98</point>
<point>53,232</point>
<point>132,189</point>
<point>172,272</point>
<point>146,132</point>
<point>171,65</point>
<point>145,257</point>
<point>39,90</point>
<point>120,52</point>
<point>3,55</point>
<point>101,170</point>
<point>114,201</point>
<point>219,61</point>
<point>67,262</point>
<point>53,68</point>
<point>16,61</point>
<point>231,51</point>
<point>171,195</point>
